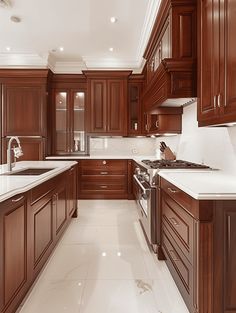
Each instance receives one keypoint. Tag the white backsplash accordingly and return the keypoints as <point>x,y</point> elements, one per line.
<point>214,146</point>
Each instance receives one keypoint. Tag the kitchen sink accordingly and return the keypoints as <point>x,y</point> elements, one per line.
<point>28,172</point>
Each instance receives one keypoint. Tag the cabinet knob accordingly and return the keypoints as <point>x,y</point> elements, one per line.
<point>104,187</point>
<point>172,190</point>
<point>103,173</point>
<point>104,162</point>
<point>174,221</point>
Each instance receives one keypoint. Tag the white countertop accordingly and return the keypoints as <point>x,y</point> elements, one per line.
<point>203,185</point>
<point>106,157</point>
<point>13,185</point>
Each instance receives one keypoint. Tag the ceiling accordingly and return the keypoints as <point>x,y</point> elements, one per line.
<point>82,27</point>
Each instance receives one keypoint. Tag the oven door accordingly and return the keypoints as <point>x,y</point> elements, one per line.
<point>143,197</point>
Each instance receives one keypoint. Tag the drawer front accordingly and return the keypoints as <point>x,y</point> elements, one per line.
<point>180,225</point>
<point>102,171</point>
<point>184,200</point>
<point>102,187</point>
<point>180,268</point>
<point>118,164</point>
<point>116,179</point>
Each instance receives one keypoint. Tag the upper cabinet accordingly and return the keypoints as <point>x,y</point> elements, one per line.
<point>107,102</point>
<point>68,115</point>
<point>24,102</point>
<point>217,50</point>
<point>135,88</point>
<point>171,56</point>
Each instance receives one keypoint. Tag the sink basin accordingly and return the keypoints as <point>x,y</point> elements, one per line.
<point>28,172</point>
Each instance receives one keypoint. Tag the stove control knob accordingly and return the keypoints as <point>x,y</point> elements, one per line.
<point>137,171</point>
<point>146,177</point>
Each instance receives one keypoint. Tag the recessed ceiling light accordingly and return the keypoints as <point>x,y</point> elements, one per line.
<point>111,49</point>
<point>15,19</point>
<point>8,48</point>
<point>5,3</point>
<point>61,49</point>
<point>113,19</point>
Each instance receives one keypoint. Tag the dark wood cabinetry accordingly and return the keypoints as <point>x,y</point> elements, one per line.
<point>14,252</point>
<point>135,109</point>
<point>107,102</point>
<point>30,226</point>
<point>170,72</point>
<point>163,120</point>
<point>103,179</point>
<point>197,240</point>
<point>217,48</point>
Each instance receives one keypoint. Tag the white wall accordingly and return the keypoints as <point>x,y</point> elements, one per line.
<point>214,146</point>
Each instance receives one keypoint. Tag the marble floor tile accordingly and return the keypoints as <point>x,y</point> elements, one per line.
<point>118,296</point>
<point>54,297</point>
<point>117,262</point>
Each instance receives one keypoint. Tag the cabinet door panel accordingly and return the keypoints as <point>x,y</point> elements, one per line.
<point>209,56</point>
<point>60,208</point>
<point>98,110</point>
<point>228,80</point>
<point>24,111</point>
<point>117,107</point>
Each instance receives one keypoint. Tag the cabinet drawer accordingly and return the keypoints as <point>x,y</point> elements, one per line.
<point>180,225</point>
<point>104,163</point>
<point>180,268</point>
<point>184,200</point>
<point>116,179</point>
<point>102,187</point>
<point>103,171</point>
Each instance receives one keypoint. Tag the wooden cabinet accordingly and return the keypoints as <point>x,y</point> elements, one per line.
<point>103,179</point>
<point>107,102</point>
<point>135,110</point>
<point>197,240</point>
<point>170,72</point>
<point>163,120</point>
<point>14,252</point>
<point>30,226</point>
<point>217,48</point>
<point>69,121</point>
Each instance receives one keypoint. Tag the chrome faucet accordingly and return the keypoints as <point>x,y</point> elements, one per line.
<point>16,150</point>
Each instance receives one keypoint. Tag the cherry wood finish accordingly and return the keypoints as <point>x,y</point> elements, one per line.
<point>135,108</point>
<point>171,55</point>
<point>107,102</point>
<point>216,93</point>
<point>33,148</point>
<point>31,225</point>
<point>103,179</point>
<point>163,120</point>
<point>14,247</point>
<point>197,240</point>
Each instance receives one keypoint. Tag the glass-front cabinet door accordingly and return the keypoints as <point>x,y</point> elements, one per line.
<point>70,134</point>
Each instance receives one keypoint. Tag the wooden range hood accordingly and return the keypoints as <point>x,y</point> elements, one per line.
<point>170,69</point>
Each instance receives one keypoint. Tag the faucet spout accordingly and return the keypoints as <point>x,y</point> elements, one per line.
<point>16,150</point>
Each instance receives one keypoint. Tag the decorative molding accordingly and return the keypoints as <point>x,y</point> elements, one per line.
<point>68,67</point>
<point>23,60</point>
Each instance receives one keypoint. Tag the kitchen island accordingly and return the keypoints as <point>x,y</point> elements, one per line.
<point>35,210</point>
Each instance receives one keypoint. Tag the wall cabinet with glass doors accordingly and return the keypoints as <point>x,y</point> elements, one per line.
<point>69,121</point>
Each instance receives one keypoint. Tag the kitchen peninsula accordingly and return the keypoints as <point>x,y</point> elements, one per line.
<point>34,213</point>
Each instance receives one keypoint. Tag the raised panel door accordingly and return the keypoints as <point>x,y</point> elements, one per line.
<point>24,111</point>
<point>228,64</point>
<point>117,107</point>
<point>98,106</point>
<point>60,206</point>
<point>13,250</point>
<point>209,59</point>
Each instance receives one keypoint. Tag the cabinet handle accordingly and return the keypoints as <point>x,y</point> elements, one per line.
<point>104,162</point>
<point>214,102</point>
<point>104,187</point>
<point>17,199</point>
<point>157,124</point>
<point>174,221</point>
<point>219,100</point>
<point>103,173</point>
<point>174,256</point>
<point>172,190</point>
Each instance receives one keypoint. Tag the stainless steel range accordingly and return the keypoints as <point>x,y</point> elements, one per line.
<point>146,190</point>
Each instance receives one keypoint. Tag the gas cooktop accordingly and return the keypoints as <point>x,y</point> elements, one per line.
<point>173,164</point>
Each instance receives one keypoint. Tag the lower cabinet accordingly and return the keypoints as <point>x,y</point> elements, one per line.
<point>103,179</point>
<point>30,226</point>
<point>198,241</point>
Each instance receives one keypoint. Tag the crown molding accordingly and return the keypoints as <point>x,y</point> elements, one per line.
<point>23,60</point>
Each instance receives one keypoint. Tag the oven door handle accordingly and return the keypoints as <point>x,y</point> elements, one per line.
<point>140,185</point>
